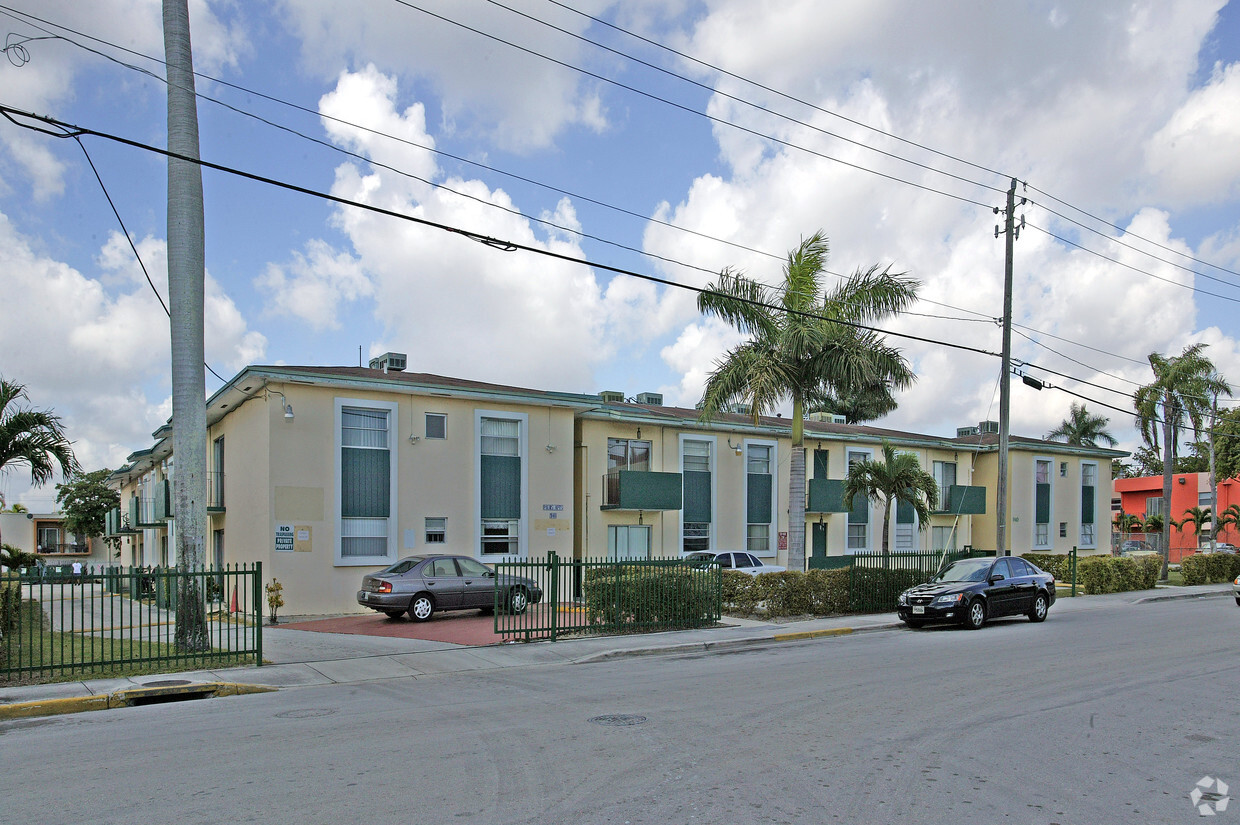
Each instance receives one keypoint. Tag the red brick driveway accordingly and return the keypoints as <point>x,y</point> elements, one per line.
<point>465,627</point>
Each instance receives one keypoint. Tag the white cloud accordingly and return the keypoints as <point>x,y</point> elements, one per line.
<point>518,100</point>
<point>313,284</point>
<point>1194,155</point>
<point>96,350</point>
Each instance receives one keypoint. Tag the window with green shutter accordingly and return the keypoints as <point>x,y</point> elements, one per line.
<point>758,491</point>
<point>698,509</point>
<point>365,482</point>
<point>500,476</point>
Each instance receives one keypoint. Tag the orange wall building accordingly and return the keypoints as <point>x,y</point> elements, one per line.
<point>1141,496</point>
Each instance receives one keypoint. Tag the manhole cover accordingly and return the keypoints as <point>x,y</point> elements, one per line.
<point>166,683</point>
<point>305,713</point>
<point>1200,737</point>
<point>619,720</point>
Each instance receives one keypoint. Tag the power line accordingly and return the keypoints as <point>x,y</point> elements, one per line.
<point>1138,270</point>
<point>981,317</point>
<point>740,100</point>
<point>690,110</point>
<point>72,130</point>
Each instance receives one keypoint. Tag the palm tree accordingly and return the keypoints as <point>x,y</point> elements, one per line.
<point>1181,389</point>
<point>186,284</point>
<point>898,477</point>
<point>797,348</point>
<point>1082,429</point>
<point>1196,516</point>
<point>1230,517</point>
<point>856,404</point>
<point>30,437</point>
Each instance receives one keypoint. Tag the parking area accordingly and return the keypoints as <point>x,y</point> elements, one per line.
<point>463,628</point>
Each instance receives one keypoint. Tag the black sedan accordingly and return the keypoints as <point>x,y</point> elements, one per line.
<point>422,585</point>
<point>972,591</point>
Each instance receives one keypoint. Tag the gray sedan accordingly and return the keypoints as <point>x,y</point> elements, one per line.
<point>422,585</point>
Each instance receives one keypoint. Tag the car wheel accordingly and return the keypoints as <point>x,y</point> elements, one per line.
<point>422,607</point>
<point>1037,613</point>
<point>517,601</point>
<point>975,617</point>
<point>914,623</point>
<point>394,614</point>
<point>1238,600</point>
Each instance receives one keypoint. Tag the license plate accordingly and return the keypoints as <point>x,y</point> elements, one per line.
<point>919,609</point>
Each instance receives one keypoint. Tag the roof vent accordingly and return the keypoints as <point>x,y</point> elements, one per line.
<point>389,362</point>
<point>654,399</point>
<point>612,396</point>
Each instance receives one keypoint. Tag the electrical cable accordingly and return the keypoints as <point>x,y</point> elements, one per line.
<point>12,114</point>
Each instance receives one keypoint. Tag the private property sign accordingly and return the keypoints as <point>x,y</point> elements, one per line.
<point>284,538</point>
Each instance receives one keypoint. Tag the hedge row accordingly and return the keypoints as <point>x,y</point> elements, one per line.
<point>1117,574</point>
<point>1059,566</point>
<point>673,597</point>
<point>1209,568</point>
<point>817,593</point>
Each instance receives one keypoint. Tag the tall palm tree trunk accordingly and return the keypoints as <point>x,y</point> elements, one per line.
<point>796,491</point>
<point>1168,470</point>
<point>186,275</point>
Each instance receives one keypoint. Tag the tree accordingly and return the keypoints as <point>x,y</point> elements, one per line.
<point>85,501</point>
<point>897,478</point>
<point>1230,517</point>
<point>1226,444</point>
<point>1197,517</point>
<point>799,350</point>
<point>855,404</point>
<point>1180,393</point>
<point>186,286</point>
<point>1082,429</point>
<point>30,437</point>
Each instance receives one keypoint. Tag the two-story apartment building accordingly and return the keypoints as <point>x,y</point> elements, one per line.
<point>324,473</point>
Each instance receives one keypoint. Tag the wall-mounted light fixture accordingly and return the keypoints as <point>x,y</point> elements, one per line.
<point>737,448</point>
<point>1180,480</point>
<point>288,408</point>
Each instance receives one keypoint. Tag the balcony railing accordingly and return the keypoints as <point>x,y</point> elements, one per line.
<point>64,549</point>
<point>215,492</point>
<point>826,495</point>
<point>641,490</point>
<point>964,500</point>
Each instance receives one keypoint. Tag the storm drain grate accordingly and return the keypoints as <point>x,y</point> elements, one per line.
<point>619,720</point>
<point>166,683</point>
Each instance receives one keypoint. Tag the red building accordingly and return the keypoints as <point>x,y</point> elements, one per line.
<point>1143,496</point>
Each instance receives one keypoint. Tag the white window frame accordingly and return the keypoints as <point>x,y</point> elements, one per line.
<point>613,535</point>
<point>914,544</point>
<point>1088,542</point>
<point>772,542</point>
<point>392,408</point>
<point>868,452</point>
<point>426,417</point>
<point>522,522</point>
<point>427,531</point>
<point>714,482</point>
<point>1048,542</point>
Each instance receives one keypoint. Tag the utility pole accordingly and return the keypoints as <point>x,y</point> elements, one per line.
<point>186,276</point>
<point>1011,232</point>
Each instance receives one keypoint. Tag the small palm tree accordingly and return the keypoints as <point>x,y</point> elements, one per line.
<point>797,350</point>
<point>1197,517</point>
<point>898,477</point>
<point>34,438</point>
<point>1229,517</point>
<point>1179,394</point>
<point>1082,428</point>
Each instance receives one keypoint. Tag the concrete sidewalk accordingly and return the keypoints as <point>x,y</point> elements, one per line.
<point>303,658</point>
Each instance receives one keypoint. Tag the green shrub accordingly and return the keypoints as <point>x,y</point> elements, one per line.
<point>778,595</point>
<point>1111,574</point>
<point>10,604</point>
<point>1058,565</point>
<point>643,595</point>
<point>1209,568</point>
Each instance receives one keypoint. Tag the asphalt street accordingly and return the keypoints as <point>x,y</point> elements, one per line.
<point>1097,716</point>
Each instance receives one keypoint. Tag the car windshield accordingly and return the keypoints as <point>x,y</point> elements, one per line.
<point>968,570</point>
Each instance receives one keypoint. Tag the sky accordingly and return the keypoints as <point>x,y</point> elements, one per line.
<point>671,139</point>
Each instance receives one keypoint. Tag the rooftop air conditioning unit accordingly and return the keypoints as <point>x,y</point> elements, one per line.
<point>654,399</point>
<point>389,362</point>
<point>964,432</point>
<point>612,397</point>
<point>839,419</point>
<point>988,426</point>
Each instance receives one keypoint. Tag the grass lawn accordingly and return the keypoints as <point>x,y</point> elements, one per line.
<point>42,656</point>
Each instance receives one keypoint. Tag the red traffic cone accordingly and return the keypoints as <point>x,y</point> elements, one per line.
<point>232,608</point>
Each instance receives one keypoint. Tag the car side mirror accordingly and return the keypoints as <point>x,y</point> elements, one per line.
<point>997,577</point>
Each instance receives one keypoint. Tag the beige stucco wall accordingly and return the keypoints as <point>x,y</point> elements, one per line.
<point>284,472</point>
<point>1065,502</point>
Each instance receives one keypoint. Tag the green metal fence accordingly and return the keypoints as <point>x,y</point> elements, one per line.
<point>876,580</point>
<point>111,619</point>
<point>608,596</point>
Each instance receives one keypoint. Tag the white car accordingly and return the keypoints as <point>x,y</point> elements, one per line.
<point>1235,589</point>
<point>1219,547</point>
<point>741,562</point>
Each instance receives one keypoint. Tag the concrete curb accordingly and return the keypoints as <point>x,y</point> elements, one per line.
<point>732,644</point>
<point>1212,594</point>
<point>128,697</point>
